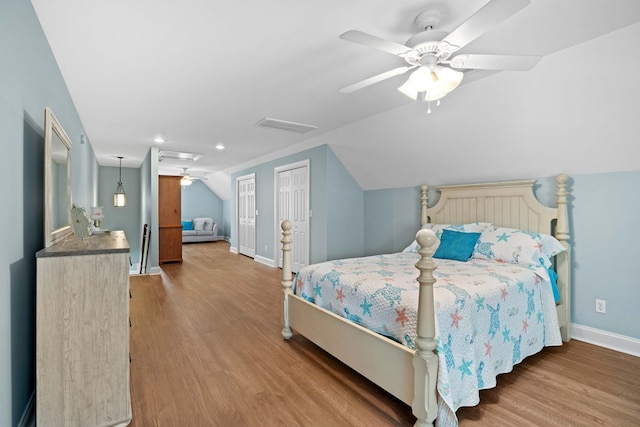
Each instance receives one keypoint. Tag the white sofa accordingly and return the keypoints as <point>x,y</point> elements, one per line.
<point>199,230</point>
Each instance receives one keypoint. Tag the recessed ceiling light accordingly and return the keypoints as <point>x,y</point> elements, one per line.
<point>158,139</point>
<point>220,146</point>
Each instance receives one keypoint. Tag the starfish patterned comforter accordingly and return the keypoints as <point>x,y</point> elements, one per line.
<point>489,315</point>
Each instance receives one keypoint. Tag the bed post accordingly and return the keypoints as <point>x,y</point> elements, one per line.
<point>425,361</point>
<point>424,201</point>
<point>286,276</point>
<point>563,260</point>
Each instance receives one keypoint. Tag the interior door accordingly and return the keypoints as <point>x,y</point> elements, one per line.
<point>247,215</point>
<point>293,204</point>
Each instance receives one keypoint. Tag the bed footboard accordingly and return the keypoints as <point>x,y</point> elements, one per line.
<point>287,283</point>
<point>379,359</point>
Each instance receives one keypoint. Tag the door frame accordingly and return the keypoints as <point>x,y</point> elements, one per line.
<point>237,220</point>
<point>277,245</point>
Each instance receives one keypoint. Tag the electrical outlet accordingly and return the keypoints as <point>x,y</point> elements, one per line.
<point>601,306</point>
<point>265,248</point>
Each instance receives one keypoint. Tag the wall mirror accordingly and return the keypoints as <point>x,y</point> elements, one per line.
<point>57,180</point>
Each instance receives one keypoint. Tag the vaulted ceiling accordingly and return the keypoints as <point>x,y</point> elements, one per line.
<point>198,73</point>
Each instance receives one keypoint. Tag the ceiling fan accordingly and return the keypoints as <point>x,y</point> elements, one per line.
<point>430,53</point>
<point>187,179</point>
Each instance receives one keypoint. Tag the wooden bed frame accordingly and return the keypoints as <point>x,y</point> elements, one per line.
<point>407,374</point>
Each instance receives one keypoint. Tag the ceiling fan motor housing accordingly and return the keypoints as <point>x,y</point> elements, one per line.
<point>426,41</point>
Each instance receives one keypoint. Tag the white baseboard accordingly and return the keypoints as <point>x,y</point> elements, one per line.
<point>155,270</point>
<point>606,339</point>
<point>265,261</point>
<point>233,249</point>
<point>135,269</point>
<point>27,418</point>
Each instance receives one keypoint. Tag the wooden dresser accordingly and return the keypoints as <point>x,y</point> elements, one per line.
<point>170,219</point>
<point>82,332</point>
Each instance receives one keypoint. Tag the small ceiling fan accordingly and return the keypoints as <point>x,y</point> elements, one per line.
<point>187,179</point>
<point>430,52</point>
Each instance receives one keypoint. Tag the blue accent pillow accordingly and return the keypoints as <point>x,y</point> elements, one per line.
<point>553,277</point>
<point>456,245</point>
<point>187,225</point>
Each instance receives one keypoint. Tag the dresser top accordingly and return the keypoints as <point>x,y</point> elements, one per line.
<point>106,243</point>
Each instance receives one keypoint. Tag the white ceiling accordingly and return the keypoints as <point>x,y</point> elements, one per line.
<point>200,72</point>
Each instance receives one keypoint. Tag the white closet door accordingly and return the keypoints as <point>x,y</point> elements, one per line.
<point>247,216</point>
<point>299,219</point>
<point>293,199</point>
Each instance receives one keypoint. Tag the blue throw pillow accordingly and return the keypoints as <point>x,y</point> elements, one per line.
<point>456,245</point>
<point>187,225</point>
<point>553,277</point>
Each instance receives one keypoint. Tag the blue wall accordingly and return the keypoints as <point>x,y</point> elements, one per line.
<point>149,204</point>
<point>227,217</point>
<point>336,200</point>
<point>606,237</point>
<point>345,225</point>
<point>30,82</point>
<point>125,218</point>
<point>391,219</point>
<point>199,201</point>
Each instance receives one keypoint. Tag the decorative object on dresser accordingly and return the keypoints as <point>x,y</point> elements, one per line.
<point>439,365</point>
<point>80,222</point>
<point>96,215</point>
<point>169,219</point>
<point>82,332</point>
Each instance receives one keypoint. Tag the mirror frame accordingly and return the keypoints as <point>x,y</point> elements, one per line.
<point>52,125</point>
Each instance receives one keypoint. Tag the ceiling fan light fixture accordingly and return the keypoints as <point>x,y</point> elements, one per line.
<point>433,82</point>
<point>186,181</point>
<point>408,90</point>
<point>449,78</point>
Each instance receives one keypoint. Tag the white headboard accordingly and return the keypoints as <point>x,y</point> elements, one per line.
<point>506,204</point>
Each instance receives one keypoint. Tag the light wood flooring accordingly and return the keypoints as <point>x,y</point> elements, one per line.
<point>207,351</point>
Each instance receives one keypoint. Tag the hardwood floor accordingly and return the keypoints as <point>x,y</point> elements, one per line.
<point>207,351</point>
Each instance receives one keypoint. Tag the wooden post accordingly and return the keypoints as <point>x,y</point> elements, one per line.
<point>425,361</point>
<point>424,201</point>
<point>563,260</point>
<point>286,276</point>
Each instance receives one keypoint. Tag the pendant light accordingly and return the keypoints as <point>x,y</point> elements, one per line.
<point>120,197</point>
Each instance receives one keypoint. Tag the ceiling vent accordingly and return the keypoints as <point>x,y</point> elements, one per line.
<point>178,155</point>
<point>285,125</point>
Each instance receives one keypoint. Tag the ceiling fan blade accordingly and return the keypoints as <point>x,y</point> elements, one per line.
<point>480,22</point>
<point>495,62</point>
<point>376,79</point>
<point>374,42</point>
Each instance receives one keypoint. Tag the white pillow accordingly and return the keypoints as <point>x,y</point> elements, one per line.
<point>198,224</point>
<point>517,247</point>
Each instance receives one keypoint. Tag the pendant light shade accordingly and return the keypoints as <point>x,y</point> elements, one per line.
<point>120,197</point>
